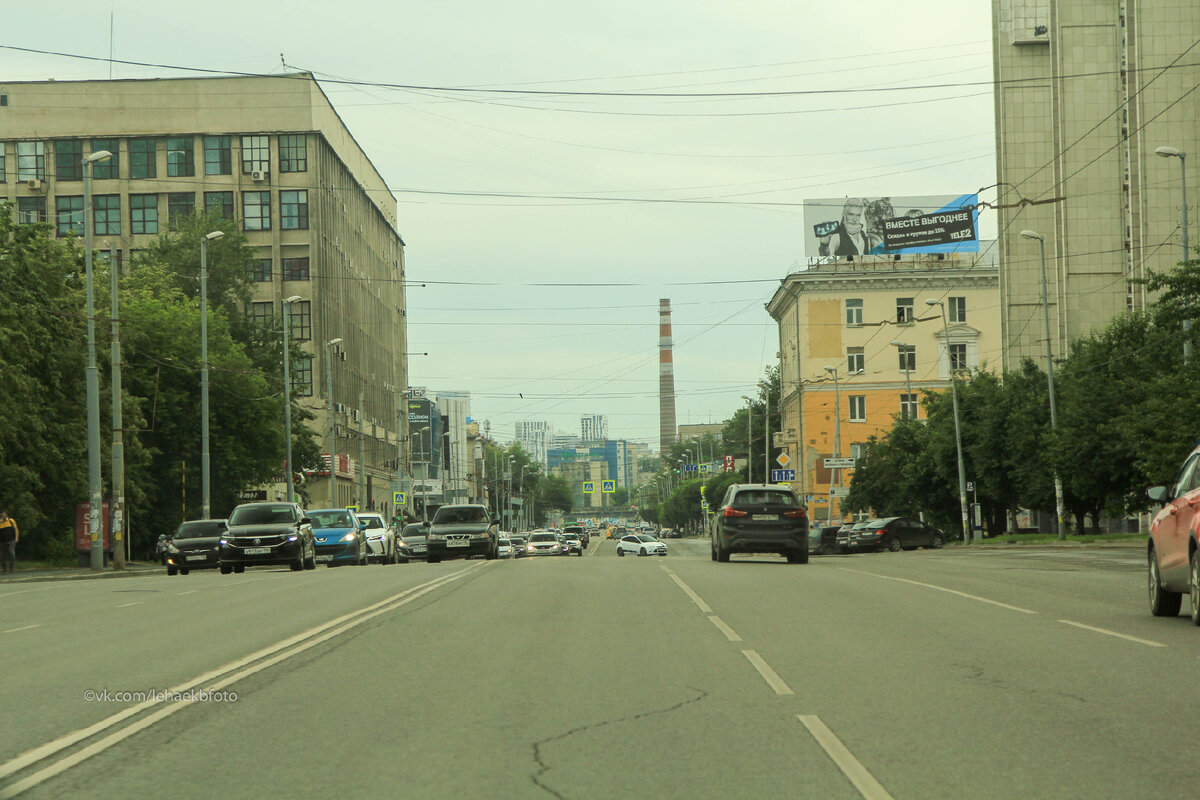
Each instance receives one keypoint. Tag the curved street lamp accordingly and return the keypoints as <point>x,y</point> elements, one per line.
<point>287,393</point>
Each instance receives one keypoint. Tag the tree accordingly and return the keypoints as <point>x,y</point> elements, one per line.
<point>553,494</point>
<point>734,437</point>
<point>620,497</point>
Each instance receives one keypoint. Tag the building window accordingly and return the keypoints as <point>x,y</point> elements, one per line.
<point>301,321</point>
<point>908,357</point>
<point>31,210</point>
<point>220,203</point>
<point>858,408</point>
<point>142,155</point>
<point>302,385</point>
<point>958,309</point>
<point>295,269</point>
<point>31,161</point>
<point>260,270</point>
<point>181,157</point>
<point>218,155</point>
<point>858,450</point>
<point>3,166</point>
<point>68,160</point>
<point>106,215</point>
<point>958,357</point>
<point>68,213</point>
<point>854,310</point>
<point>143,213</point>
<point>256,211</point>
<point>180,204</point>
<point>904,310</point>
<point>293,153</point>
<point>256,153</point>
<point>111,166</point>
<point>856,361</point>
<point>908,406</point>
<point>293,210</point>
<point>263,314</point>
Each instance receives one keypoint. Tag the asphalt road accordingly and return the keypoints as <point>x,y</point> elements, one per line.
<point>960,673</point>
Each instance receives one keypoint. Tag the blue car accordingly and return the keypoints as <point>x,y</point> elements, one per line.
<point>341,537</point>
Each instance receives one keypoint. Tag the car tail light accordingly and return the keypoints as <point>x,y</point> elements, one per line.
<point>798,513</point>
<point>733,512</point>
<point>881,531</point>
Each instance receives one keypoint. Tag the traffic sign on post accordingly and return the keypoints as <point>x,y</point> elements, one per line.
<point>352,509</point>
<point>783,475</point>
<point>840,463</point>
<point>784,459</point>
<point>589,487</point>
<point>839,491</point>
<point>399,499</point>
<point>608,487</point>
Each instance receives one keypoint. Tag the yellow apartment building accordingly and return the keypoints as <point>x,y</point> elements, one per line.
<point>858,344</point>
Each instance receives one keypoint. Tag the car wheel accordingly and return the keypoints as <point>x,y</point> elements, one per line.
<point>936,542</point>
<point>183,571</point>
<point>712,550</point>
<point>894,545</point>
<point>239,568</point>
<point>1162,602</point>
<point>1195,587</point>
<point>310,562</point>
<point>798,558</point>
<point>226,569</point>
<point>722,553</point>
<point>642,552</point>
<point>172,569</point>
<point>620,553</point>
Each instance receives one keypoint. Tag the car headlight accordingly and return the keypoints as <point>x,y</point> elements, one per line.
<point>293,538</point>
<point>349,537</point>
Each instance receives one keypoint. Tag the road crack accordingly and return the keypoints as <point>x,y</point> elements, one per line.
<point>543,767</point>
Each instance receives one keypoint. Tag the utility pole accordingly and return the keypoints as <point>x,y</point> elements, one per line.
<point>205,485</point>
<point>117,511</point>
<point>362,455</point>
<point>329,351</point>
<point>92,376</point>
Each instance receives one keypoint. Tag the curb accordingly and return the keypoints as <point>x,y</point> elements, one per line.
<point>71,574</point>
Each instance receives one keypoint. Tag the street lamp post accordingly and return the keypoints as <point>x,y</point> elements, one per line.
<point>749,449</point>
<point>766,432</point>
<point>329,349</point>
<point>837,435</point>
<point>92,375</point>
<point>962,473</point>
<point>287,393</point>
<point>1058,490</point>
<point>902,349</point>
<point>1173,152</point>
<point>204,455</point>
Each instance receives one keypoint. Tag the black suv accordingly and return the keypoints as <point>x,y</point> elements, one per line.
<point>195,545</point>
<point>268,533</point>
<point>462,531</point>
<point>761,518</point>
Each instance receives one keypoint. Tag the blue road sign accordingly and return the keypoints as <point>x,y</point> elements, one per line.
<point>608,487</point>
<point>783,475</point>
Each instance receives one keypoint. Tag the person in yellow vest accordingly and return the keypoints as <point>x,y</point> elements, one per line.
<point>9,536</point>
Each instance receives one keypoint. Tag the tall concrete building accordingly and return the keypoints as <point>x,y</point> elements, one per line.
<point>666,378</point>
<point>272,153</point>
<point>846,315</point>
<point>1087,91</point>
<point>593,427</point>
<point>535,436</point>
<point>459,452</point>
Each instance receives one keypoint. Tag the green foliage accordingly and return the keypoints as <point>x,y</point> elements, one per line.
<point>733,437</point>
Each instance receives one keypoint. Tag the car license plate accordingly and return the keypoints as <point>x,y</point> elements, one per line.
<point>197,558</point>
<point>324,558</point>
<point>419,548</point>
<point>458,543</point>
<point>765,517</point>
<point>257,551</point>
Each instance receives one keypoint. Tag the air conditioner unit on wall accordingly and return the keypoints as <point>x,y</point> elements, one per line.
<point>35,185</point>
<point>259,175</point>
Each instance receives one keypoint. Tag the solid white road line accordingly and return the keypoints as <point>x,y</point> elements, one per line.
<point>974,597</point>
<point>127,605</point>
<point>769,675</point>
<point>1146,642</point>
<point>25,628</point>
<point>189,591</point>
<point>50,748</point>
<point>850,766</point>
<point>729,632</point>
<point>688,591</point>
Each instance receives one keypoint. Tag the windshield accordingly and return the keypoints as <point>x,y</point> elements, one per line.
<point>457,515</point>
<point>757,497</point>
<point>543,537</point>
<point>644,538</point>
<point>199,529</point>
<point>372,521</point>
<point>414,530</point>
<point>263,515</point>
<point>331,519</point>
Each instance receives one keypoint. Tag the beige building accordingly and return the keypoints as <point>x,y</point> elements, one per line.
<point>272,153</point>
<point>576,473</point>
<point>1086,91</point>
<point>846,315</point>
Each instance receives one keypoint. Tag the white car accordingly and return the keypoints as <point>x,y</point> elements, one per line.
<point>640,544</point>
<point>504,549</point>
<point>381,539</point>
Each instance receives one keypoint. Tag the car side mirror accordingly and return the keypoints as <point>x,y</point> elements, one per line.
<point>1158,494</point>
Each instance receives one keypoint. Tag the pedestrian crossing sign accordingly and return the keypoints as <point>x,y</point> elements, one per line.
<point>589,487</point>
<point>352,509</point>
<point>608,487</point>
<point>399,499</point>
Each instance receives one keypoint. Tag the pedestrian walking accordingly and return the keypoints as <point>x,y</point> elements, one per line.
<point>160,549</point>
<point>9,536</point>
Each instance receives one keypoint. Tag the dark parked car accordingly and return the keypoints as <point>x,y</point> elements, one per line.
<point>195,545</point>
<point>268,533</point>
<point>897,533</point>
<point>761,518</point>
<point>410,543</point>
<point>822,541</point>
<point>462,531</point>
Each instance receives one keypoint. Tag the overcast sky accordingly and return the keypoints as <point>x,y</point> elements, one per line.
<point>484,180</point>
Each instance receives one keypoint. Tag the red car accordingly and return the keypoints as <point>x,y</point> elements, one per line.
<point>1172,557</point>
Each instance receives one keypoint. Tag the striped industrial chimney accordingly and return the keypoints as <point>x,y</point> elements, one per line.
<point>666,379</point>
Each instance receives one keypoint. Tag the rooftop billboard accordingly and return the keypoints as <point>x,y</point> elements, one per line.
<point>852,226</point>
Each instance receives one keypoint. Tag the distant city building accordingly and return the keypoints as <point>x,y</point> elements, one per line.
<point>561,440</point>
<point>593,427</point>
<point>456,409</point>
<point>535,437</point>
<point>699,431</point>
<point>1086,93</point>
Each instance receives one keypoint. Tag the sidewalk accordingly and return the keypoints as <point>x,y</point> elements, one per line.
<point>133,568</point>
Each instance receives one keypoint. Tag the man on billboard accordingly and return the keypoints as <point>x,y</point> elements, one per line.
<point>850,237</point>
